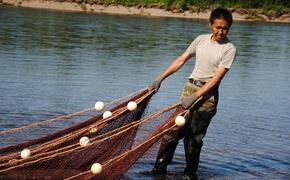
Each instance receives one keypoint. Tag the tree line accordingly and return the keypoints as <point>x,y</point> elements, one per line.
<point>274,8</point>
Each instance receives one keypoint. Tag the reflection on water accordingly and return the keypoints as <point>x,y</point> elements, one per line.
<point>54,63</point>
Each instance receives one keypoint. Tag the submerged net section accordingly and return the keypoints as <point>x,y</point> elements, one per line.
<point>151,129</point>
<point>75,159</point>
<point>65,140</point>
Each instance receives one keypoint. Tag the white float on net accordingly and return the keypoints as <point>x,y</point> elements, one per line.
<point>99,106</point>
<point>107,114</point>
<point>180,121</point>
<point>132,105</point>
<point>96,168</point>
<point>84,141</point>
<point>25,153</point>
<point>93,130</point>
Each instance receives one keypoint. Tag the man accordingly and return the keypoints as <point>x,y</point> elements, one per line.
<point>214,56</point>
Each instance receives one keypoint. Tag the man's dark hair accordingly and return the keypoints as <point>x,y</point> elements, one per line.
<point>221,13</point>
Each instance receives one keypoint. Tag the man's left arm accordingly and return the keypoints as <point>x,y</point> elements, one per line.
<point>215,81</point>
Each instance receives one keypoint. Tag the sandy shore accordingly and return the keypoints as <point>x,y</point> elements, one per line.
<point>122,10</point>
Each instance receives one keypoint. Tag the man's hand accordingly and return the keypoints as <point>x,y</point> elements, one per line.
<point>155,84</point>
<point>188,101</point>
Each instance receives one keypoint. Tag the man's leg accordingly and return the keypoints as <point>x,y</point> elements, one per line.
<point>193,141</point>
<point>166,151</point>
<point>170,141</point>
<point>199,119</point>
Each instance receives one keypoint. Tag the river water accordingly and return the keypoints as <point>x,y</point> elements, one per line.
<point>54,63</point>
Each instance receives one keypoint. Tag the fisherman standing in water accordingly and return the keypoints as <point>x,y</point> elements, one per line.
<point>214,56</point>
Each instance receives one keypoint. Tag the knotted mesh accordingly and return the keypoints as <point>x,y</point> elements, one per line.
<point>116,143</point>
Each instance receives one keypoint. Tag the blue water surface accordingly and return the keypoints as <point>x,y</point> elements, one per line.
<point>55,63</point>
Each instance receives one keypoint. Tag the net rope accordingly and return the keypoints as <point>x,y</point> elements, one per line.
<point>65,117</point>
<point>74,135</point>
<point>103,138</point>
<point>117,166</point>
<point>117,142</point>
<point>55,143</point>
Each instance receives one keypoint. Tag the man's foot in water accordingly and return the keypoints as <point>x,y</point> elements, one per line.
<point>189,176</point>
<point>158,171</point>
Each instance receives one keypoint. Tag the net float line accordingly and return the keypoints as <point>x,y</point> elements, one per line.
<point>119,165</point>
<point>65,117</point>
<point>101,137</point>
<point>71,149</point>
<point>74,135</point>
<point>48,137</point>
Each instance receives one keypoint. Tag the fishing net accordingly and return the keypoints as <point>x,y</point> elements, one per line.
<point>95,126</point>
<point>116,142</point>
<point>53,128</point>
<point>151,130</point>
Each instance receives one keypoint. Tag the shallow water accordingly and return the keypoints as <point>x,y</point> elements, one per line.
<point>55,63</point>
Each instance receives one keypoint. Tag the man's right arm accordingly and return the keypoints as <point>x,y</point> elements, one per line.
<point>172,68</point>
<point>176,65</point>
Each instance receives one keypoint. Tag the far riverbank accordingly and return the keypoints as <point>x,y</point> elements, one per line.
<point>135,10</point>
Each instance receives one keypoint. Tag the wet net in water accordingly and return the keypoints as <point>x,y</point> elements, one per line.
<point>151,130</point>
<point>112,142</point>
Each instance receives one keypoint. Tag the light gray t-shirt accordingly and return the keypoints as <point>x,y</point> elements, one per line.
<point>209,56</point>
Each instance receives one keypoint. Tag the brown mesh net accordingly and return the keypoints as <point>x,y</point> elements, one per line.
<point>113,143</point>
<point>15,135</point>
<point>117,166</point>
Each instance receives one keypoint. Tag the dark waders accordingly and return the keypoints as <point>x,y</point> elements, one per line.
<point>197,121</point>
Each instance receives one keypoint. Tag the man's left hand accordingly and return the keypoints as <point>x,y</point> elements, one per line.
<point>188,101</point>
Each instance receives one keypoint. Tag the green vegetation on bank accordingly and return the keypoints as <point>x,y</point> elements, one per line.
<point>252,8</point>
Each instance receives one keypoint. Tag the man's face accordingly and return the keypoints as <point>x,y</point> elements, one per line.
<point>220,29</point>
